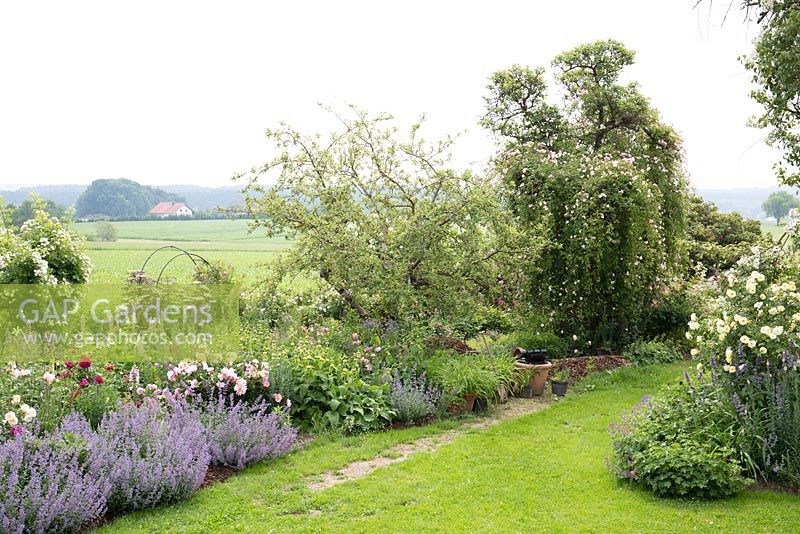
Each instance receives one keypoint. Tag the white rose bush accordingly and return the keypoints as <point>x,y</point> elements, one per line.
<point>747,343</point>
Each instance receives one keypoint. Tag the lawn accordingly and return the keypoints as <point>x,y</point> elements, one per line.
<point>544,471</point>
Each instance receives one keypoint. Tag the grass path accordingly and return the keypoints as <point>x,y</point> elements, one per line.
<point>543,471</point>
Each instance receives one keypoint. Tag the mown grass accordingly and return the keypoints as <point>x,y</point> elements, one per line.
<point>545,471</point>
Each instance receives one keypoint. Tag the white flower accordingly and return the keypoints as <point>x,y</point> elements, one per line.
<point>16,399</point>
<point>28,413</point>
<point>11,418</point>
<point>729,355</point>
<point>241,387</point>
<point>49,377</point>
<point>694,352</point>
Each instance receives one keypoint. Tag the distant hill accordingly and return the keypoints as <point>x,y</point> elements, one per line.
<point>198,197</point>
<point>747,202</point>
<point>206,198</point>
<point>120,198</point>
<point>66,195</point>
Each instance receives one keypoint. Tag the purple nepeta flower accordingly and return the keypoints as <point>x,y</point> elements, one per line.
<point>48,481</point>
<point>240,434</point>
<point>151,455</point>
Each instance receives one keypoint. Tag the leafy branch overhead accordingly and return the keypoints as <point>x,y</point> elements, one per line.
<point>385,222</point>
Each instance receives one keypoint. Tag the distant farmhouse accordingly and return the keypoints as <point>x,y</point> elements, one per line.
<point>171,209</point>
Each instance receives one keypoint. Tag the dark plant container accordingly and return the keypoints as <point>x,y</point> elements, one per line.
<point>559,387</point>
<point>531,357</point>
<point>481,405</point>
<point>527,392</point>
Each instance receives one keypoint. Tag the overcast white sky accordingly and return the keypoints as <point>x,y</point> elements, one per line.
<point>181,92</point>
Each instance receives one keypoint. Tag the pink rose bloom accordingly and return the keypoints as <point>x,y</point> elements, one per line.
<point>277,397</point>
<point>84,382</point>
<point>98,379</point>
<point>69,365</point>
<point>140,391</point>
<point>241,387</point>
<point>84,364</point>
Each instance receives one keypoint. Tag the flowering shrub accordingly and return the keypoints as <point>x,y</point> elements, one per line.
<point>49,480</point>
<point>414,398</point>
<point>44,251</point>
<point>151,455</point>
<point>240,434</point>
<point>601,178</point>
<point>748,339</point>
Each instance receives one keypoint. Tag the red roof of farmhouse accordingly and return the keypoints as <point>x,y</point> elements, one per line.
<point>167,208</point>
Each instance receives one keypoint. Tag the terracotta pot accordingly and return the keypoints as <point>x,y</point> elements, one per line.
<point>469,402</point>
<point>539,378</point>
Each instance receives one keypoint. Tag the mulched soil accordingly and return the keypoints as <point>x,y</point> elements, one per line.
<point>217,473</point>
<point>580,367</point>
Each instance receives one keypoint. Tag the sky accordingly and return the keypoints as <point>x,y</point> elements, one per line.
<point>182,92</point>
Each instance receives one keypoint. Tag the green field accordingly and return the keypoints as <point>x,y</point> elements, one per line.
<point>225,240</point>
<point>775,230</point>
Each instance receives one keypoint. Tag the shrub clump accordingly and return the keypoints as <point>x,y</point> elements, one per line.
<point>240,434</point>
<point>48,480</point>
<point>152,455</point>
<point>414,398</point>
<point>651,352</point>
<point>679,445</point>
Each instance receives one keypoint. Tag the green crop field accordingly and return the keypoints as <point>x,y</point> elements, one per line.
<point>224,240</point>
<point>225,230</point>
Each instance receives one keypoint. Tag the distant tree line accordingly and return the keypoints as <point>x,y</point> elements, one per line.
<point>120,198</point>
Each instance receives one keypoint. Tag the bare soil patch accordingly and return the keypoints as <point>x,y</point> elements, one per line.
<point>402,451</point>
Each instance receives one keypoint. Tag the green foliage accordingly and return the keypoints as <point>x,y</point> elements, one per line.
<point>555,346</point>
<point>95,401</point>
<point>559,375</point>
<point>666,319</point>
<point>42,251</point>
<point>601,178</point>
<point>331,389</point>
<point>385,223</point>
<point>775,64</point>
<point>680,444</point>
<point>779,204</point>
<point>27,210</point>
<point>120,198</point>
<point>688,469</point>
<point>214,272</point>
<point>748,335</point>
<point>105,231</point>
<point>651,352</point>
<point>716,239</point>
<point>465,374</point>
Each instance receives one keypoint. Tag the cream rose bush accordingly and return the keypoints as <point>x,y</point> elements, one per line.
<point>755,313</point>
